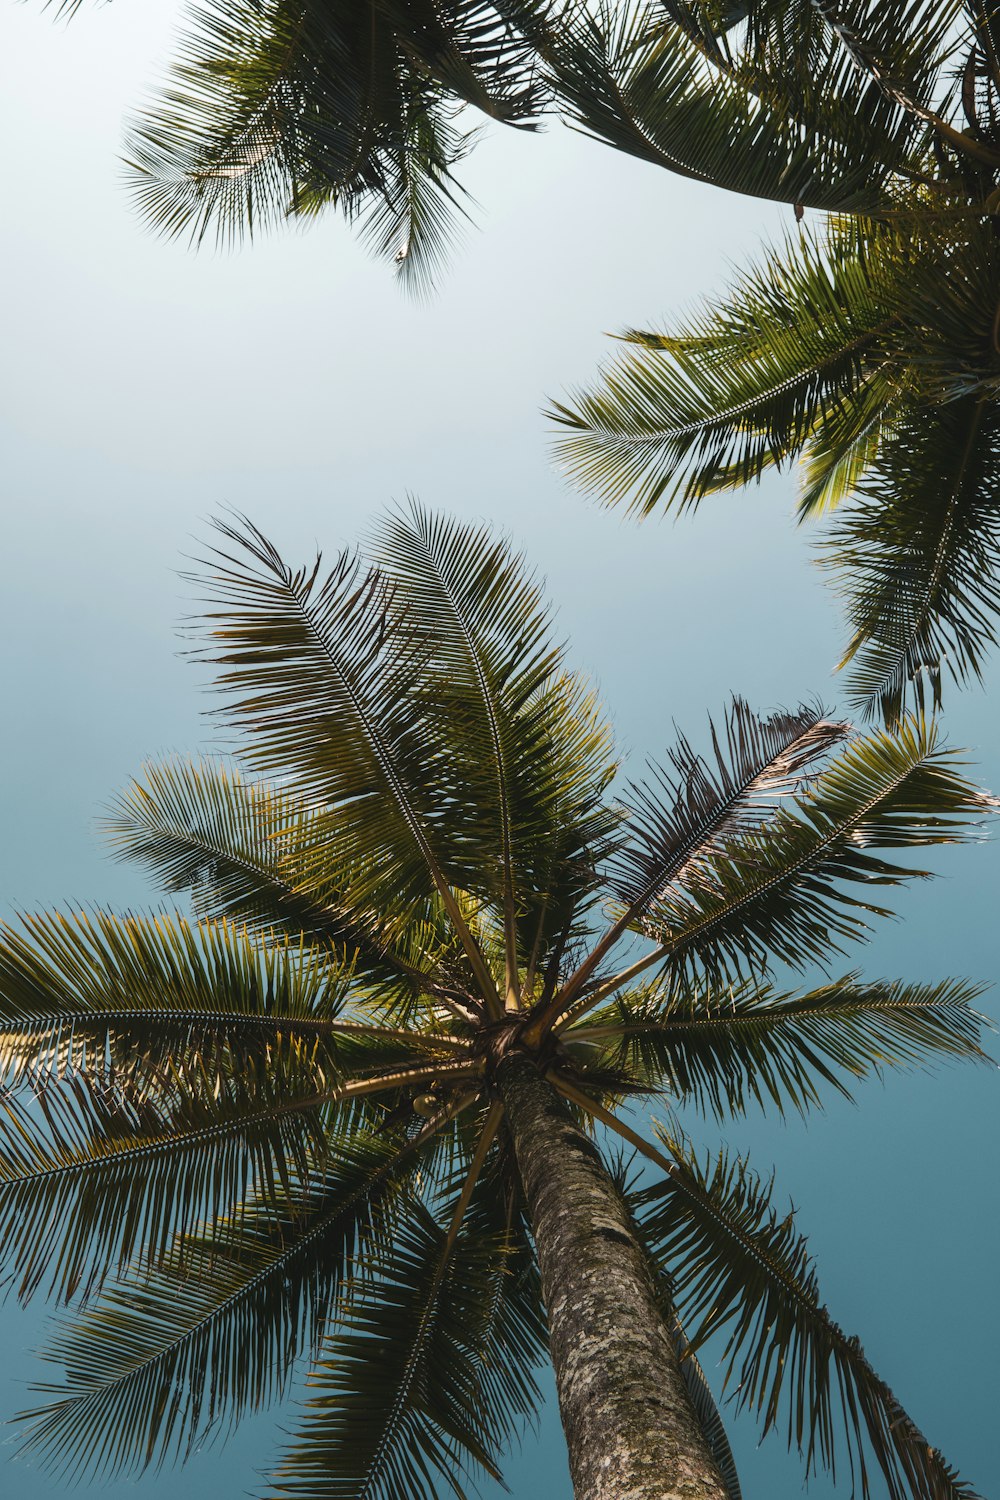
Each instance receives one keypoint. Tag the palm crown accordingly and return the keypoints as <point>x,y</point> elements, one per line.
<point>870,349</point>
<point>291,1132</point>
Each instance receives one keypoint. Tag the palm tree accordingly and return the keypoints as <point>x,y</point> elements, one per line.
<point>871,349</point>
<point>362,1113</point>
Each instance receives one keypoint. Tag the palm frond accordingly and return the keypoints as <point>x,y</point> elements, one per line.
<point>797,343</point>
<point>812,130</point>
<point>695,810</point>
<point>784,891</point>
<point>739,1269</point>
<point>917,557</point>
<point>721,1049</point>
<point>89,1174</point>
<point>417,218</point>
<point>131,999</point>
<point>494,686</point>
<point>111,995</point>
<point>428,1373</point>
<point>326,674</point>
<point>259,854</point>
<point>277,110</point>
<point>174,1355</point>
<point>844,443</point>
<point>699,804</point>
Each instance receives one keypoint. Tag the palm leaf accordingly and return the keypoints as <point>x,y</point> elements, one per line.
<point>132,998</point>
<point>720,1050</point>
<point>797,344</point>
<point>697,808</point>
<point>416,219</point>
<point>699,805</point>
<point>169,1357</point>
<point>918,556</point>
<point>259,854</point>
<point>812,131</point>
<point>492,684</point>
<point>428,1371</point>
<point>280,109</point>
<point>111,995</point>
<point>739,1270</point>
<point>89,1173</point>
<point>783,891</point>
<point>326,674</point>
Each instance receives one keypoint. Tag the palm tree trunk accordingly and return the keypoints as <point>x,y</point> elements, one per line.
<point>630,1426</point>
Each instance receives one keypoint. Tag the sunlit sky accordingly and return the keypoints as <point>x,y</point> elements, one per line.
<point>146,388</point>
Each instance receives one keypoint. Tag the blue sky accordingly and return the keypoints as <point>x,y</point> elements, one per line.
<point>145,388</point>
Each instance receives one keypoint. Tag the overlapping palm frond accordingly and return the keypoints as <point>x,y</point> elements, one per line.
<point>917,557</point>
<point>125,999</point>
<point>698,806</point>
<point>326,670</point>
<point>740,1269</point>
<point>258,854</point>
<point>90,1173</point>
<point>162,1068</point>
<point>277,110</point>
<point>167,1358</point>
<point>796,124</point>
<point>494,690</point>
<point>869,350</point>
<point>800,345</point>
<point>430,1373</point>
<point>785,892</point>
<point>781,889</point>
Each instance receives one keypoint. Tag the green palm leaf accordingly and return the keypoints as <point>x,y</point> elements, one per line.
<point>785,891</point>
<point>115,994</point>
<point>815,131</point>
<point>259,854</point>
<point>277,110</point>
<point>324,670</point>
<point>131,998</point>
<point>700,804</point>
<point>89,1174</point>
<point>720,1050</point>
<point>168,1357</point>
<point>797,344</point>
<point>428,1375</point>
<point>495,695</point>
<point>917,556</point>
<point>739,1270</point>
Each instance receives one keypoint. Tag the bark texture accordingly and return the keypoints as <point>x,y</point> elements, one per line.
<point>630,1427</point>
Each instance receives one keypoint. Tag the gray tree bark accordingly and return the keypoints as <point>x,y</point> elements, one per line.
<point>630,1427</point>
